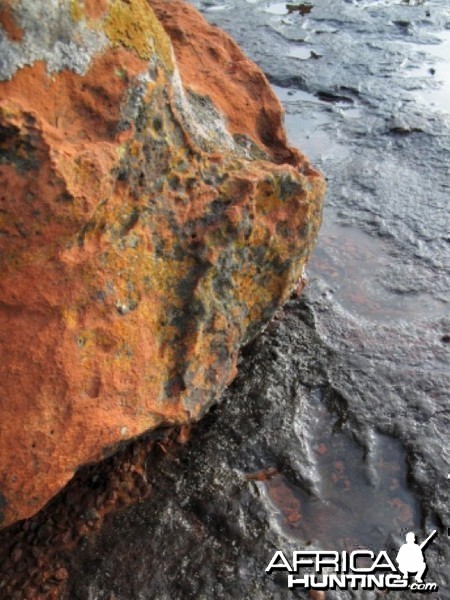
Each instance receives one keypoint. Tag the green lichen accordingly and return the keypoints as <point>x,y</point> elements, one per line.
<point>121,74</point>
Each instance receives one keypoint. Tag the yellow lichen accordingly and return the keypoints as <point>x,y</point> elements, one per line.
<point>133,24</point>
<point>76,10</point>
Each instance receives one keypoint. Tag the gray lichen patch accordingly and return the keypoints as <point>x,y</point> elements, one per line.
<point>201,119</point>
<point>51,35</point>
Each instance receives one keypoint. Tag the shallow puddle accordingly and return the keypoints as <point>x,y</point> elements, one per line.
<point>354,265</point>
<point>313,130</point>
<point>437,57</point>
<point>221,7</point>
<point>276,8</point>
<point>302,52</point>
<point>308,130</point>
<point>310,133</point>
<point>362,494</point>
<point>387,3</point>
<point>288,94</point>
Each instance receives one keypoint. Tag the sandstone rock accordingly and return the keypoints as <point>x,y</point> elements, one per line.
<point>150,224</point>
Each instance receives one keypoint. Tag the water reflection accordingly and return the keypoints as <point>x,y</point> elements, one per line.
<point>276,8</point>
<point>355,265</point>
<point>359,268</point>
<point>302,52</point>
<point>313,130</point>
<point>363,495</point>
<point>439,68</point>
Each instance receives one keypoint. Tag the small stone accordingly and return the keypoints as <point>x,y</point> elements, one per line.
<point>61,574</point>
<point>322,449</point>
<point>91,515</point>
<point>316,595</point>
<point>16,554</point>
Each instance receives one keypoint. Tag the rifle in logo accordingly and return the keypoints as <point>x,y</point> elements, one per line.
<point>410,557</point>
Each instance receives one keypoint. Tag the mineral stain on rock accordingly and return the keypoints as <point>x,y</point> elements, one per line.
<point>152,218</point>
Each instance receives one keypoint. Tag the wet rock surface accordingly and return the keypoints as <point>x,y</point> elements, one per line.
<point>335,433</point>
<point>286,462</point>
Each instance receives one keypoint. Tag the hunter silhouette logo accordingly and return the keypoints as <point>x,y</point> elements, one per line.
<point>410,556</point>
<point>360,569</point>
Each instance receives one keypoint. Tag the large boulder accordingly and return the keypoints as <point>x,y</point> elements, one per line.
<point>152,219</point>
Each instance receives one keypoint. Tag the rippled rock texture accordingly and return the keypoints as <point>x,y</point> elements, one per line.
<point>152,219</point>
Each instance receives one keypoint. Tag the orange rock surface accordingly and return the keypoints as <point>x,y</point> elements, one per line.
<point>152,219</point>
<point>212,64</point>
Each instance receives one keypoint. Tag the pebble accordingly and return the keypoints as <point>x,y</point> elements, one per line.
<point>316,595</point>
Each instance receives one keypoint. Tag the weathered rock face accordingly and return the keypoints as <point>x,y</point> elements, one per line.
<point>148,228</point>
